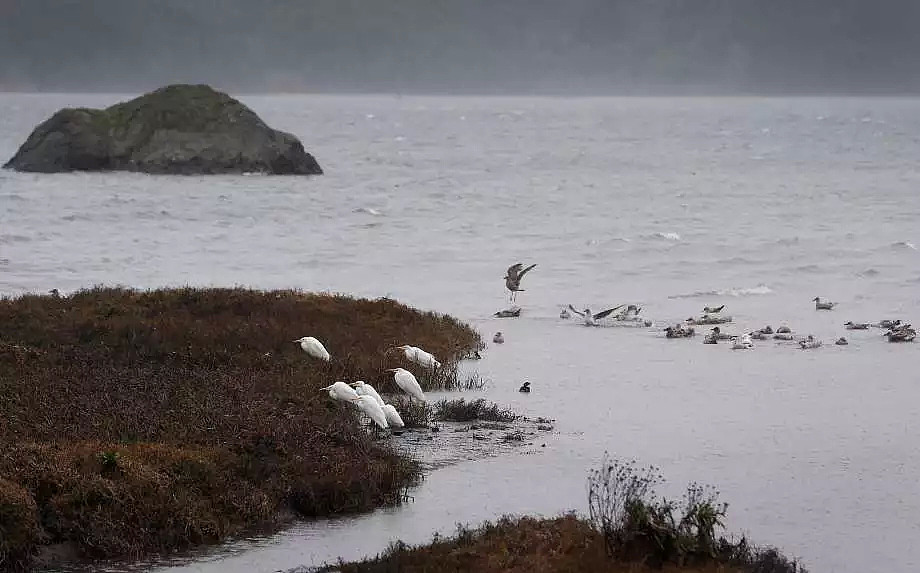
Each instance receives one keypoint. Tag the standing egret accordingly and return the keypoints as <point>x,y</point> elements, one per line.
<point>407,382</point>
<point>370,407</point>
<point>418,356</point>
<point>341,391</point>
<point>392,416</point>
<point>364,389</point>
<point>513,278</point>
<point>314,348</point>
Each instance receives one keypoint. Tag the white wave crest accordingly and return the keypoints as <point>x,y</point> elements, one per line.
<point>666,236</point>
<point>750,291</point>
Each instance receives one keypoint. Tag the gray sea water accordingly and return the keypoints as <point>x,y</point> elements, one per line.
<point>760,204</point>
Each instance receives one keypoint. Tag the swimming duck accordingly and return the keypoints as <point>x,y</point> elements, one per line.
<point>901,333</point>
<point>850,325</point>
<point>711,338</point>
<point>713,309</point>
<point>525,387</point>
<point>513,312</point>
<point>743,342</point>
<point>823,305</point>
<point>842,341</point>
<point>758,335</point>
<point>809,342</point>
<point>783,336</point>
<point>783,330</point>
<point>679,331</point>
<point>766,330</point>
<point>498,338</point>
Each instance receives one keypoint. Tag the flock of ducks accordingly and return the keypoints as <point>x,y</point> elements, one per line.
<point>628,315</point>
<point>364,396</point>
<point>895,331</point>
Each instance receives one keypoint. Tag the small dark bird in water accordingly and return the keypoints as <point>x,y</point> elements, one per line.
<point>713,309</point>
<point>524,387</point>
<point>842,341</point>
<point>498,338</point>
<point>513,312</point>
<point>513,278</point>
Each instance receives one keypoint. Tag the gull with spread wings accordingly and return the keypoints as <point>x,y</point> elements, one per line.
<point>591,319</point>
<point>513,278</point>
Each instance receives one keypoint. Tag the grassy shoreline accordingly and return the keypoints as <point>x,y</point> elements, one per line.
<point>136,422</point>
<point>629,529</point>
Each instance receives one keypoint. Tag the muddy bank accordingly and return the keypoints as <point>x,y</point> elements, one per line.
<point>142,422</point>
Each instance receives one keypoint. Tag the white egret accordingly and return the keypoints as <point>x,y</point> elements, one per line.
<point>407,382</point>
<point>370,407</point>
<point>365,389</point>
<point>314,348</point>
<point>341,391</point>
<point>392,416</point>
<point>418,356</point>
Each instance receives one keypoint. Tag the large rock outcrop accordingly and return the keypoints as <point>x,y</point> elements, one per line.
<point>178,129</point>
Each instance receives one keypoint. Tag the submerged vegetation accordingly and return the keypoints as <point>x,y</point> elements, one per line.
<point>629,530</point>
<point>134,422</point>
<point>459,410</point>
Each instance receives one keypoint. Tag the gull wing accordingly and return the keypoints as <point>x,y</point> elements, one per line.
<point>514,269</point>
<point>523,272</point>
<point>604,313</point>
<point>578,312</point>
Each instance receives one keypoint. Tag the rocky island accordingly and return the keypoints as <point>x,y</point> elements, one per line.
<point>178,129</point>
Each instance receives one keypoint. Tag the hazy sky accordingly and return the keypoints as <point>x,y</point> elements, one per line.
<point>462,46</point>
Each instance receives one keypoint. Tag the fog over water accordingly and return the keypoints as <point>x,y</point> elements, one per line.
<point>475,46</point>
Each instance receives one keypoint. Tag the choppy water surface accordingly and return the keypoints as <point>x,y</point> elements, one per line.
<point>761,204</point>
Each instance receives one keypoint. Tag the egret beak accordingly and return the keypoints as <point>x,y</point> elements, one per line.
<point>326,388</point>
<point>391,370</point>
<point>295,341</point>
<point>352,383</point>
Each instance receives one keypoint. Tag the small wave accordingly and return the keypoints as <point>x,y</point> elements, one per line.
<point>665,236</point>
<point>904,246</point>
<point>736,261</point>
<point>752,291</point>
<point>868,273</point>
<point>807,269</point>
<point>7,238</point>
<point>367,210</point>
<point>787,240</point>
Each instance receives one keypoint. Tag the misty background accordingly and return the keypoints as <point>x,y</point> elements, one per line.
<point>464,46</point>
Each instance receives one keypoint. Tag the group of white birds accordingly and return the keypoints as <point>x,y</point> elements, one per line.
<point>365,396</point>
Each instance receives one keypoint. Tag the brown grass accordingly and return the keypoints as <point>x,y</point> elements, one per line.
<point>526,545</point>
<point>144,421</point>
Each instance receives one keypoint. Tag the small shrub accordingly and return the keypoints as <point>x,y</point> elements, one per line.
<point>459,410</point>
<point>109,461</point>
<point>638,526</point>
<point>414,414</point>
